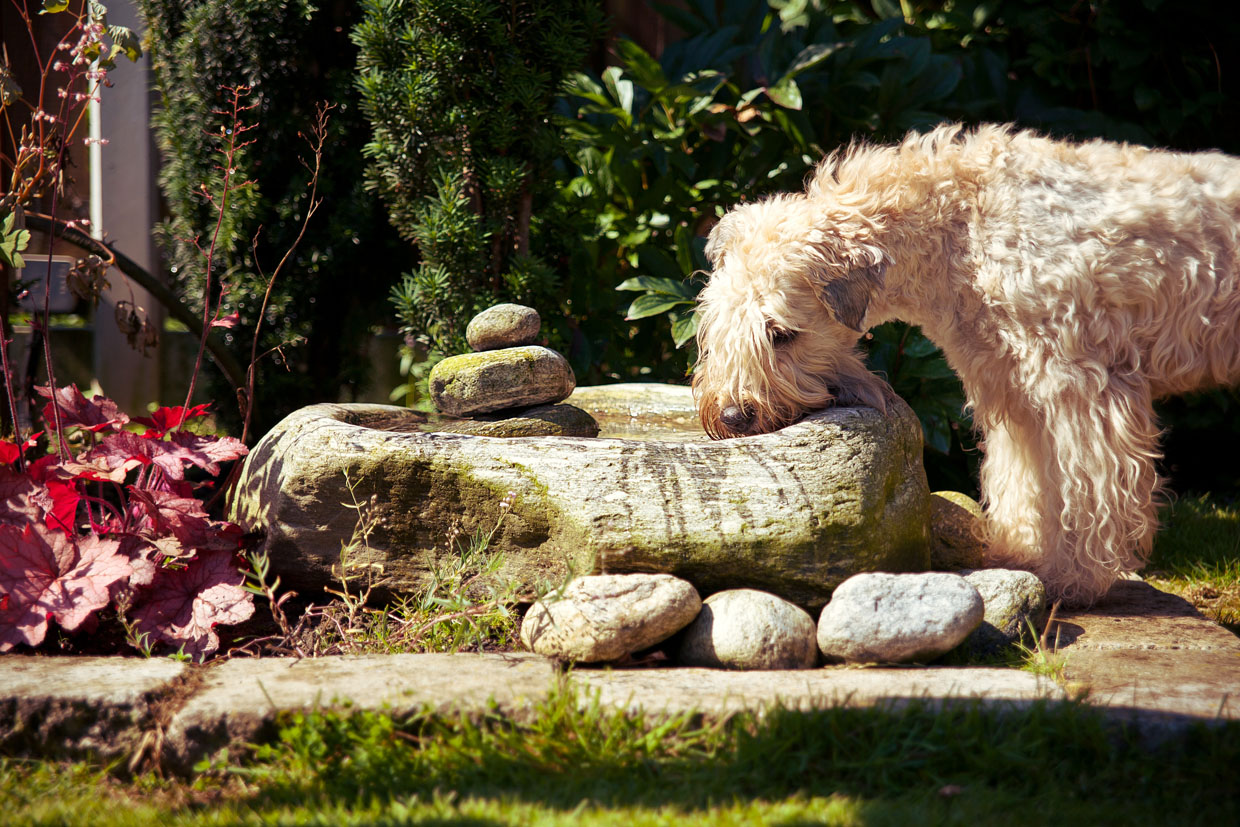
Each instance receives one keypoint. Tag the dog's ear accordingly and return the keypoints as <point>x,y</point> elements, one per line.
<point>721,236</point>
<point>847,294</point>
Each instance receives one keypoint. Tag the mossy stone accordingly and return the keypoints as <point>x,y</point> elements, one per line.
<point>956,526</point>
<point>793,512</point>
<point>494,380</point>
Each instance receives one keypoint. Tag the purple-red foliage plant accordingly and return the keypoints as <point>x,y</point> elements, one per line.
<point>102,513</point>
<point>113,519</point>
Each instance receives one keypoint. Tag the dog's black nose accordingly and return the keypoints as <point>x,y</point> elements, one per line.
<point>736,417</point>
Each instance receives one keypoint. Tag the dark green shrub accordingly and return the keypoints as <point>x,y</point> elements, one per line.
<point>458,93</point>
<point>293,54</point>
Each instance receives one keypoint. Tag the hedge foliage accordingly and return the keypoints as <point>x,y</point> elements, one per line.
<point>459,94</point>
<point>293,54</point>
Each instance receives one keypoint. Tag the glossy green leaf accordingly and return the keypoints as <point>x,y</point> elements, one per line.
<point>684,329</point>
<point>652,305</point>
<point>786,93</point>
<point>644,68</point>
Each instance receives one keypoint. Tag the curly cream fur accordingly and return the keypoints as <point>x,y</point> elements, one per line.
<point>1069,285</point>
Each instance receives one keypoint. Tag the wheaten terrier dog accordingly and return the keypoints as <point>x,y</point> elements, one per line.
<point>1069,285</point>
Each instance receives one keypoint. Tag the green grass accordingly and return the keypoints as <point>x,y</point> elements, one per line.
<point>1197,556</point>
<point>569,765</point>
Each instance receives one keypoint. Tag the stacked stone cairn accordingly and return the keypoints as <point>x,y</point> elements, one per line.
<point>872,617</point>
<point>508,386</point>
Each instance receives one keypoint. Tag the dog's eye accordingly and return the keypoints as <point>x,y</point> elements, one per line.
<point>782,336</point>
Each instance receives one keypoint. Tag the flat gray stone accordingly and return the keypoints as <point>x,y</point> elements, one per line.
<point>1186,683</point>
<point>543,420</point>
<point>722,692</point>
<point>240,699</point>
<point>74,707</point>
<point>1183,672</point>
<point>513,377</point>
<point>503,325</point>
<point>956,524</point>
<point>1135,615</point>
<point>605,617</point>
<point>749,629</point>
<point>1015,605</point>
<point>894,618</point>
<point>793,512</point>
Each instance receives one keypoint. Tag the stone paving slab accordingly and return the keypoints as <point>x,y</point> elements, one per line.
<point>1201,684</point>
<point>1135,615</point>
<point>677,690</point>
<point>239,699</point>
<point>79,705</point>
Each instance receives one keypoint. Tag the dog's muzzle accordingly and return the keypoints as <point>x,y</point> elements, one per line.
<point>737,418</point>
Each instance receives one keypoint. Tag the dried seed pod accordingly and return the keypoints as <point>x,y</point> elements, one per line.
<point>88,278</point>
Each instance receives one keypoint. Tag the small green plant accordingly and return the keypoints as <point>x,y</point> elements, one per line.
<point>466,604</point>
<point>1042,656</point>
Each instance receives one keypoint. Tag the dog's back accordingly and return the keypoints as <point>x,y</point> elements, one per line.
<point>1134,249</point>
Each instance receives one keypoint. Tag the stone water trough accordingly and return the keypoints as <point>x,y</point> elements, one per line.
<point>793,512</point>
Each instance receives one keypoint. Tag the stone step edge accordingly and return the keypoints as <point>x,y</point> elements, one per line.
<point>176,714</point>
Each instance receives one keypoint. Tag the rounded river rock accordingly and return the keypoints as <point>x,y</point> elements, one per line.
<point>956,529</point>
<point>895,618</point>
<point>504,325</point>
<point>1015,601</point>
<point>497,379</point>
<point>749,629</point>
<point>605,617</point>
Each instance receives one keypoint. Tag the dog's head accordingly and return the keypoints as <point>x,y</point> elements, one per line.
<point>781,315</point>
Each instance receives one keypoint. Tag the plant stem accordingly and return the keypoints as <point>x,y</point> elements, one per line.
<point>319,136</point>
<point>230,155</point>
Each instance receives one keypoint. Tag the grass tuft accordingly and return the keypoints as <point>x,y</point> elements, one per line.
<point>1197,556</point>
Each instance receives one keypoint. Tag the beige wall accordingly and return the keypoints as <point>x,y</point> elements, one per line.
<point>123,203</point>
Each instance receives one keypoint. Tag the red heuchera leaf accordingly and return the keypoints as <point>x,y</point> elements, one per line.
<point>43,576</point>
<point>120,452</point>
<point>57,493</point>
<point>38,495</point>
<point>116,455</point>
<point>22,500</point>
<point>75,409</point>
<point>65,498</point>
<point>136,549</point>
<point>186,520</point>
<point>165,419</point>
<point>207,451</point>
<point>10,452</point>
<point>182,606</point>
